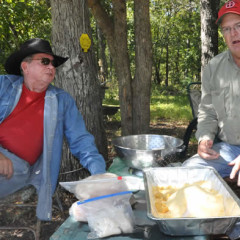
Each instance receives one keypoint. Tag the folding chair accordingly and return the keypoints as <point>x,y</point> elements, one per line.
<point>24,199</point>
<point>194,96</point>
<point>21,199</point>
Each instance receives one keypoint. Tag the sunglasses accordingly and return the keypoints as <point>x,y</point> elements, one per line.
<point>47,61</point>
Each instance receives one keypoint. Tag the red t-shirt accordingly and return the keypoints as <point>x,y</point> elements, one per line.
<point>22,131</point>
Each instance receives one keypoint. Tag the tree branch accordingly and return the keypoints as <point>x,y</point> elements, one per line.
<point>102,18</point>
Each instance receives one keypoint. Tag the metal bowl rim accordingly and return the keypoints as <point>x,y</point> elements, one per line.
<point>151,150</point>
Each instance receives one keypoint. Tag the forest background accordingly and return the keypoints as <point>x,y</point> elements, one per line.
<point>138,48</point>
<point>175,28</point>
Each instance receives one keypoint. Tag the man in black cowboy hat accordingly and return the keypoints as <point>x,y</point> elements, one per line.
<point>34,118</point>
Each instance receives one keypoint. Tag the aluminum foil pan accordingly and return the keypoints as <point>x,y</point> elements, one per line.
<point>177,176</point>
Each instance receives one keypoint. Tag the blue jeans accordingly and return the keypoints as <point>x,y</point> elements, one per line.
<point>227,154</point>
<point>20,176</point>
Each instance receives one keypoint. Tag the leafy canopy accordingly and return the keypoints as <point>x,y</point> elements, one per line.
<point>21,20</point>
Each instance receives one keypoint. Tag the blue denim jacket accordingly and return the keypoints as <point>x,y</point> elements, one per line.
<point>61,118</point>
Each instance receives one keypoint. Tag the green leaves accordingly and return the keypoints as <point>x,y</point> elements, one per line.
<point>176,39</point>
<point>21,20</point>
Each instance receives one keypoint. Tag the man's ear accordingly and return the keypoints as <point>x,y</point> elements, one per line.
<point>24,66</point>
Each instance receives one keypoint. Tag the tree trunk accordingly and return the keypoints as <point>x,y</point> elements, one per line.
<point>167,70</point>
<point>157,72</point>
<point>134,97</point>
<point>78,75</point>
<point>115,33</point>
<point>122,65</point>
<point>102,62</point>
<point>209,30</point>
<point>143,62</point>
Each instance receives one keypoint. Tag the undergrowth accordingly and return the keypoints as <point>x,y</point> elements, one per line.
<point>165,104</point>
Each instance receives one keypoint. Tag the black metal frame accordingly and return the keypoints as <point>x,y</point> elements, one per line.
<point>193,124</point>
<point>12,201</point>
<point>18,199</point>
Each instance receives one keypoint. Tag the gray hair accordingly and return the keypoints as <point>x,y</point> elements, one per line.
<point>26,59</point>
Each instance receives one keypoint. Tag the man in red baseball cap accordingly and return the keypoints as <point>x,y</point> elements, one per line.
<point>228,7</point>
<point>219,115</point>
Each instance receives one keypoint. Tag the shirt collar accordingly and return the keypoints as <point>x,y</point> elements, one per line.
<point>231,60</point>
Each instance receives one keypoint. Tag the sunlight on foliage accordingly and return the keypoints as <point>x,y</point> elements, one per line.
<point>174,106</point>
<point>111,95</point>
<point>170,107</point>
<point>21,20</point>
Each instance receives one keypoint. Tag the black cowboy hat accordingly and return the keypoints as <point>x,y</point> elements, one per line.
<point>32,46</point>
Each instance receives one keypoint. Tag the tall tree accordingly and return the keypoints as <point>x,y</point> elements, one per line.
<point>70,19</point>
<point>115,33</point>
<point>102,62</point>
<point>143,73</point>
<point>209,30</point>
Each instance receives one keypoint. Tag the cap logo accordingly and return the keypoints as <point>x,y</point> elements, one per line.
<point>230,4</point>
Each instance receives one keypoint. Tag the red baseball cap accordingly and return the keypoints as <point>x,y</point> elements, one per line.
<point>229,7</point>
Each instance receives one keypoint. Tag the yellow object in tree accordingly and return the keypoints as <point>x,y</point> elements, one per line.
<point>85,42</point>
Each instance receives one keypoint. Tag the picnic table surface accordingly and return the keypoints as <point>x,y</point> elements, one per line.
<point>147,229</point>
<point>73,230</point>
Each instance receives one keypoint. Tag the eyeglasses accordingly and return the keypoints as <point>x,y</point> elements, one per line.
<point>227,30</point>
<point>47,61</point>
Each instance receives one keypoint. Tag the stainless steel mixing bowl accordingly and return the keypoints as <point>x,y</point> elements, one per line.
<point>147,150</point>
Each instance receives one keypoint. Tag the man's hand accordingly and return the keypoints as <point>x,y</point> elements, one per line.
<point>236,167</point>
<point>6,166</point>
<point>205,150</point>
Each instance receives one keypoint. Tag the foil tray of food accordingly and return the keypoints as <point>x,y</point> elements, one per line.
<point>190,201</point>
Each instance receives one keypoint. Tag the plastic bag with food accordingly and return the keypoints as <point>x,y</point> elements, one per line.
<point>96,185</point>
<point>77,212</point>
<point>109,215</point>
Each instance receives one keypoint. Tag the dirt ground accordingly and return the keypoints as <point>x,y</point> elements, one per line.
<point>10,216</point>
